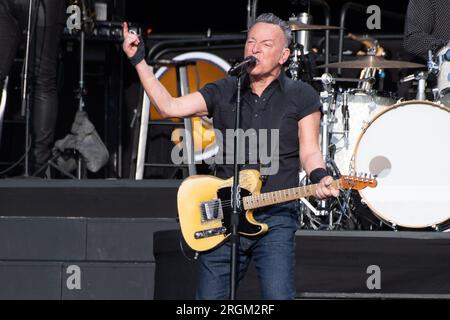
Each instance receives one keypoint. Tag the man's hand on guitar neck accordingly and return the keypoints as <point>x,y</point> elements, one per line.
<point>325,189</point>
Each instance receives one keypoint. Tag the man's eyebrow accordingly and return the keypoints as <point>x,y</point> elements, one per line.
<point>266,40</point>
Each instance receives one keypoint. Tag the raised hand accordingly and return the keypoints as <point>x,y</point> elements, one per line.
<point>130,41</point>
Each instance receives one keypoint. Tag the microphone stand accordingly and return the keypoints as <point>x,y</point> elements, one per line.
<point>26,93</point>
<point>235,195</point>
<point>80,167</point>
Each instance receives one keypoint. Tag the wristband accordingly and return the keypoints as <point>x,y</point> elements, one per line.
<point>317,174</point>
<point>140,53</point>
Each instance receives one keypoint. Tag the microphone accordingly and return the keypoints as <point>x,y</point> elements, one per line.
<point>242,67</point>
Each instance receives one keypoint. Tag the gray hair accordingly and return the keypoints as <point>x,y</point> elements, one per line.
<point>273,19</point>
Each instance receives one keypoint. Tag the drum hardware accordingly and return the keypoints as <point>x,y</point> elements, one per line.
<point>330,214</point>
<point>345,117</point>
<point>328,107</point>
<point>332,80</point>
<point>333,214</point>
<point>302,37</point>
<point>421,77</point>
<point>433,67</point>
<point>442,69</point>
<point>300,26</point>
<point>294,65</point>
<point>327,98</point>
<point>299,65</point>
<point>367,73</point>
<point>373,49</point>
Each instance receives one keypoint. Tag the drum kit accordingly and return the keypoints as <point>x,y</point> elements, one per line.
<point>403,143</point>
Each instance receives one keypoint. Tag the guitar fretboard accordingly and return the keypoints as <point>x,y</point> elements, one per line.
<point>275,197</point>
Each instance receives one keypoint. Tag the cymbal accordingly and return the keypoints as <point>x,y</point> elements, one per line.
<point>300,26</point>
<point>372,62</point>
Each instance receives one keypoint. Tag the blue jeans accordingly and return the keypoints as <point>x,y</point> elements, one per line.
<point>273,254</point>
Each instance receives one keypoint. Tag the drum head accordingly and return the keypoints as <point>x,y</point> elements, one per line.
<point>407,147</point>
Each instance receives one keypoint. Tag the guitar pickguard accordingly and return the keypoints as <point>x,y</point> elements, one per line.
<point>245,227</point>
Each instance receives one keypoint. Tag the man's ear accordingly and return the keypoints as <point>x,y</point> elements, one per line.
<point>285,55</point>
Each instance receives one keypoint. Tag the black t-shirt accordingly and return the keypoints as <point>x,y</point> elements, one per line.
<point>282,104</point>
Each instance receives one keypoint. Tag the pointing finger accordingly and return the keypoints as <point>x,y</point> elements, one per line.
<point>125,29</point>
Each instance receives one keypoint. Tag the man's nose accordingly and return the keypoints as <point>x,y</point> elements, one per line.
<point>255,48</point>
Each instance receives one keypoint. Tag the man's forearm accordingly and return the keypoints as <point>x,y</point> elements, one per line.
<point>157,93</point>
<point>312,161</point>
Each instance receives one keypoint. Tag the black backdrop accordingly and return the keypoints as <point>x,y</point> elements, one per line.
<point>112,85</point>
<point>230,16</point>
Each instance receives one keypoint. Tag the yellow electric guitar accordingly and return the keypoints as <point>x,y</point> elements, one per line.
<point>204,205</point>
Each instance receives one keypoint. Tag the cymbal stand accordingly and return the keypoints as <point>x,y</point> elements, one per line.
<point>294,64</point>
<point>327,98</point>
<point>3,105</point>
<point>81,92</point>
<point>433,70</point>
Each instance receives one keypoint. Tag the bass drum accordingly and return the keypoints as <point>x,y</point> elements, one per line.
<point>208,68</point>
<point>406,147</point>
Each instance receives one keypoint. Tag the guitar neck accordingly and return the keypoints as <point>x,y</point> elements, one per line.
<point>270,198</point>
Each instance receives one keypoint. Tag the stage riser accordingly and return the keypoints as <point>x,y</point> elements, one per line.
<point>55,281</point>
<point>110,258</point>
<point>371,265</point>
<point>79,239</point>
<point>89,198</point>
<point>120,258</point>
<point>334,265</point>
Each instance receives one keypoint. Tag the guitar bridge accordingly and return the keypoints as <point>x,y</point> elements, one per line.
<point>211,210</point>
<point>210,233</point>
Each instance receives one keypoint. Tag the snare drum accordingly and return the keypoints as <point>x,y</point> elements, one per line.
<point>407,147</point>
<point>362,106</point>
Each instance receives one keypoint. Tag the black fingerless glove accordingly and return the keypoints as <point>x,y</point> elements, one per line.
<point>140,53</point>
<point>318,174</point>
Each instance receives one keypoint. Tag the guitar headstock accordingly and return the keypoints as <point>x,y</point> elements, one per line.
<point>357,182</point>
